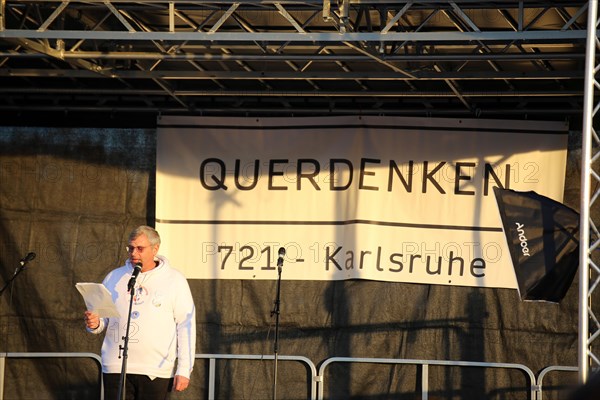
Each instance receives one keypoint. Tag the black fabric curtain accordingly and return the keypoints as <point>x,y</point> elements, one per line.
<point>73,195</point>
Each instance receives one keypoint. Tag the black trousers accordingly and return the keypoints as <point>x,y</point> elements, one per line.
<point>137,387</point>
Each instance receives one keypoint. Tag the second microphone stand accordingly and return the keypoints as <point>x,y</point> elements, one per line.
<point>276,313</point>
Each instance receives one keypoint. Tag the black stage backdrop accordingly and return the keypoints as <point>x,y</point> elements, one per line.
<point>73,195</point>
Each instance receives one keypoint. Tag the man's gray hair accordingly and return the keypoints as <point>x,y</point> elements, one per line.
<point>151,234</point>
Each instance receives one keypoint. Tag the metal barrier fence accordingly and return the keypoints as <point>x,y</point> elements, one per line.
<point>4,356</point>
<point>546,370</point>
<point>316,378</point>
<point>425,369</point>
<point>212,368</point>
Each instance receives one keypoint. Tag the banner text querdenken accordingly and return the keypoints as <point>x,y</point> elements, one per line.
<point>342,174</point>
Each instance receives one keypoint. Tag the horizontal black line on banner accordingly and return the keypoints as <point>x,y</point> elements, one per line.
<point>428,128</point>
<point>324,223</point>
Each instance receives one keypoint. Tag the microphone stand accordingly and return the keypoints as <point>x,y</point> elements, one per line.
<point>125,346</point>
<point>276,313</point>
<point>20,268</point>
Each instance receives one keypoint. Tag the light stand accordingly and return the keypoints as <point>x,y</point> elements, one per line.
<point>124,348</point>
<point>276,313</point>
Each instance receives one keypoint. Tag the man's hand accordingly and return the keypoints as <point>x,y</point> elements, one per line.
<point>180,383</point>
<point>92,320</point>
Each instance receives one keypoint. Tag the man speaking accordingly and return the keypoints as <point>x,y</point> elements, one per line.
<point>162,331</point>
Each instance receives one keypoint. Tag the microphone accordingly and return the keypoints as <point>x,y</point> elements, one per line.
<point>26,259</point>
<point>136,271</point>
<point>281,253</point>
<point>18,270</point>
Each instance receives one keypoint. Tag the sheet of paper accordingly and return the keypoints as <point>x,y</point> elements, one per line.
<point>97,299</point>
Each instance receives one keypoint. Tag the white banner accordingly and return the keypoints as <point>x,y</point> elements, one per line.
<point>390,199</point>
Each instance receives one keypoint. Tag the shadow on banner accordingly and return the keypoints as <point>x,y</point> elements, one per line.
<point>543,239</point>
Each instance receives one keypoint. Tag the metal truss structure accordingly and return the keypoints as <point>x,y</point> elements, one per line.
<point>589,257</point>
<point>462,58</point>
<point>465,58</point>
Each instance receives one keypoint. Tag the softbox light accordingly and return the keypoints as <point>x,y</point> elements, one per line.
<point>543,240</point>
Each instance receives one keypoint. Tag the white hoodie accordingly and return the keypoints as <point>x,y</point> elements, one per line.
<point>163,323</point>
